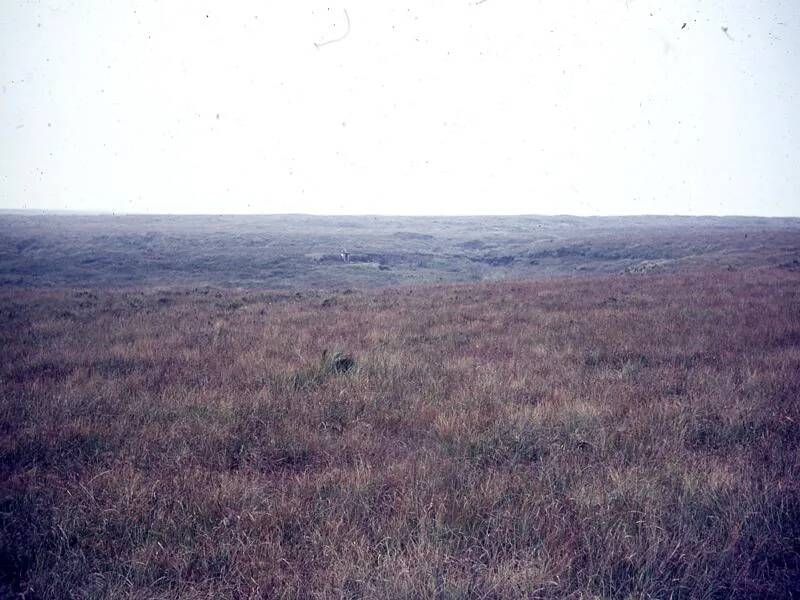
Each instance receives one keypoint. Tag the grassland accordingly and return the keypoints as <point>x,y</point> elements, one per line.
<point>302,252</point>
<point>583,437</point>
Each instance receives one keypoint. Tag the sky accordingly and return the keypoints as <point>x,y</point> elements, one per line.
<point>586,107</point>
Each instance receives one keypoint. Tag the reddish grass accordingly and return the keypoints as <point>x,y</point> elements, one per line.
<point>621,437</point>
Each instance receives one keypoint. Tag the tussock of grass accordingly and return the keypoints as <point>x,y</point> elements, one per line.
<point>507,440</point>
<point>331,364</point>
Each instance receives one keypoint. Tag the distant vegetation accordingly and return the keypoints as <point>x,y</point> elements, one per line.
<point>586,437</point>
<point>303,252</point>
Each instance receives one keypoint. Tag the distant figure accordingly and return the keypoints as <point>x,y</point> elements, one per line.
<point>345,256</point>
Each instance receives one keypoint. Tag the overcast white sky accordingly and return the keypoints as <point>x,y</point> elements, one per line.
<point>444,107</point>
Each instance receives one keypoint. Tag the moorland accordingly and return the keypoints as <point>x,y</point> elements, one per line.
<point>303,251</point>
<point>618,419</point>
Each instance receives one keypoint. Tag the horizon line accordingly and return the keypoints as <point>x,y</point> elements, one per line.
<point>94,212</point>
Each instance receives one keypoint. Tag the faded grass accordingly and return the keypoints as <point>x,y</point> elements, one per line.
<point>591,438</point>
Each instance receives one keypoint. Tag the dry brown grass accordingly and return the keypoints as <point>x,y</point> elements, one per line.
<point>623,437</point>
